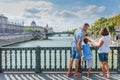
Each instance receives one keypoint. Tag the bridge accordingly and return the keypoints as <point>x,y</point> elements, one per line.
<point>50,63</point>
<point>59,33</point>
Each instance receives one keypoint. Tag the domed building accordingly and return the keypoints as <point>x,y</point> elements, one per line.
<point>35,27</point>
<point>33,23</point>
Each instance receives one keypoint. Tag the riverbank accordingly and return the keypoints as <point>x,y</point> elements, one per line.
<point>12,39</point>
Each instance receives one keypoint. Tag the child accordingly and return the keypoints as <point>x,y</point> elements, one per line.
<point>87,55</point>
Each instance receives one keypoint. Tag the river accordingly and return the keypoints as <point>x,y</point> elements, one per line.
<point>55,41</point>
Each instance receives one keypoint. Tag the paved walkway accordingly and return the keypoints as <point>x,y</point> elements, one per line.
<point>53,76</point>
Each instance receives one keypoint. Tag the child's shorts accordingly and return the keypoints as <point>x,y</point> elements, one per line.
<point>75,54</point>
<point>89,62</point>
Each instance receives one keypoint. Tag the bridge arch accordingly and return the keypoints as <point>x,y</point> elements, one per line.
<point>59,33</point>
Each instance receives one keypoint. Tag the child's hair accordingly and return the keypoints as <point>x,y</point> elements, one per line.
<point>86,40</point>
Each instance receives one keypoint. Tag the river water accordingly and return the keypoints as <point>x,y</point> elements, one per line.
<point>55,41</point>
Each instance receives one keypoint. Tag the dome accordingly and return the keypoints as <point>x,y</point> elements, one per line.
<point>33,23</point>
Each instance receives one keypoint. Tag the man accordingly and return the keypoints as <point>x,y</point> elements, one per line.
<point>76,49</point>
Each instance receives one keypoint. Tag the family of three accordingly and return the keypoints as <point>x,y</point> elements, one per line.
<point>81,51</point>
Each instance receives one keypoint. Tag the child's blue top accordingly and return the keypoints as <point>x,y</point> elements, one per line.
<point>87,53</point>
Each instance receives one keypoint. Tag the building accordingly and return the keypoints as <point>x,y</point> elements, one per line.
<point>34,27</point>
<point>118,33</point>
<point>8,28</point>
<point>49,29</point>
<point>3,19</point>
<point>33,23</point>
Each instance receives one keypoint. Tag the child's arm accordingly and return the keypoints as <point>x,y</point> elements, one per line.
<point>91,43</point>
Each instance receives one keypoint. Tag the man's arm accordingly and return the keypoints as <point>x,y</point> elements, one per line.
<point>79,47</point>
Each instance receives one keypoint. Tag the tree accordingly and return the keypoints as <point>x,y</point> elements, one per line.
<point>111,23</point>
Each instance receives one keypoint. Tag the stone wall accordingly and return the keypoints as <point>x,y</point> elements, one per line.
<point>8,40</point>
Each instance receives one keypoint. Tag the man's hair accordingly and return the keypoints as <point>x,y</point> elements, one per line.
<point>86,25</point>
<point>86,40</point>
<point>104,31</point>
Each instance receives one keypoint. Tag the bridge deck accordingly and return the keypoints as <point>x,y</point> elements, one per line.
<point>54,76</point>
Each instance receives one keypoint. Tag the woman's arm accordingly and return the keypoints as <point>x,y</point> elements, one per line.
<point>99,44</point>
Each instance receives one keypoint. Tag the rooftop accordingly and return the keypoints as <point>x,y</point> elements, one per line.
<point>2,16</point>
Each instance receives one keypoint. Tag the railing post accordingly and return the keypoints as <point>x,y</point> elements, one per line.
<point>118,57</point>
<point>96,60</point>
<point>38,67</point>
<point>80,67</point>
<point>1,60</point>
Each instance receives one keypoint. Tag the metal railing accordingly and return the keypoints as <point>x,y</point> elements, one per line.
<point>40,59</point>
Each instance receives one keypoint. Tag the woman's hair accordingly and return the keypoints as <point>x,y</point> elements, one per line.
<point>104,31</point>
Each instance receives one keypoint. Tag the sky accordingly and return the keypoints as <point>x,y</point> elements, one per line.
<point>62,15</point>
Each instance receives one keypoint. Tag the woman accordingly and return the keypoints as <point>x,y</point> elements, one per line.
<point>103,51</point>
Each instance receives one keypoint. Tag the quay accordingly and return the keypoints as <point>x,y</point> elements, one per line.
<point>12,39</point>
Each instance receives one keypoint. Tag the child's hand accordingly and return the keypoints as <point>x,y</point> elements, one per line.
<point>92,44</point>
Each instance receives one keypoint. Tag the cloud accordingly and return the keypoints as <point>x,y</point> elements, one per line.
<point>33,0</point>
<point>100,9</point>
<point>44,12</point>
<point>14,1</point>
<point>31,16</point>
<point>32,11</point>
<point>9,1</point>
<point>90,10</point>
<point>66,14</point>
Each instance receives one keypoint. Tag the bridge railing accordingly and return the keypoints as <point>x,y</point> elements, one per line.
<point>40,59</point>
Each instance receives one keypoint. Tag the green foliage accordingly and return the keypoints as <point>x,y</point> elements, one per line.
<point>46,30</point>
<point>73,30</point>
<point>31,31</point>
<point>111,24</point>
